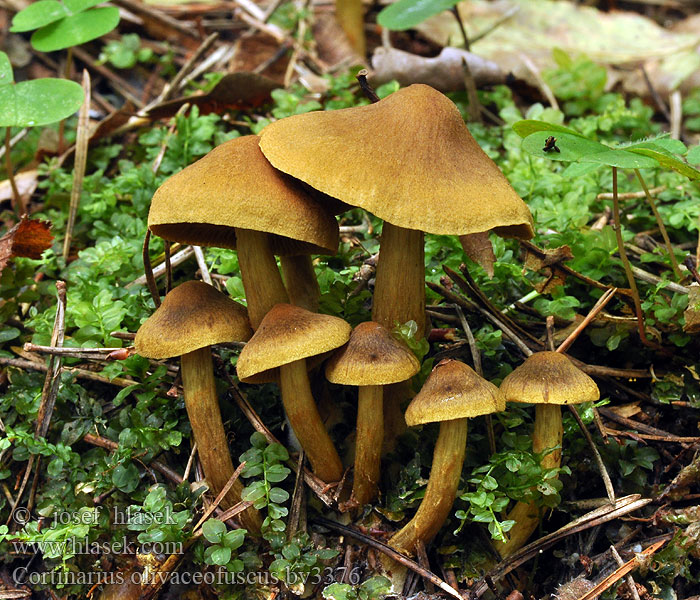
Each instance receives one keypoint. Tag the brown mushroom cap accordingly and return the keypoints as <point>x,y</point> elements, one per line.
<point>409,159</point>
<point>192,316</point>
<point>453,391</point>
<point>372,356</point>
<point>549,378</point>
<point>289,333</point>
<point>235,187</point>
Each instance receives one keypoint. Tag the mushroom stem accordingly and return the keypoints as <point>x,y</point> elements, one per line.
<point>205,418</point>
<point>300,281</point>
<point>399,291</point>
<point>399,296</point>
<point>547,434</point>
<point>261,277</point>
<point>440,494</point>
<point>370,431</point>
<point>306,422</point>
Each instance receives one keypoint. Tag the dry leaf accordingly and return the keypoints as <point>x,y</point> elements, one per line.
<point>26,184</point>
<point>609,38</point>
<point>477,246</point>
<point>444,72</point>
<point>235,91</point>
<point>29,238</point>
<point>545,262</point>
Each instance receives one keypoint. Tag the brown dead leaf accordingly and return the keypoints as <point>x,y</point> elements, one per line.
<point>546,262</point>
<point>477,246</point>
<point>444,72</point>
<point>29,238</point>
<point>235,91</point>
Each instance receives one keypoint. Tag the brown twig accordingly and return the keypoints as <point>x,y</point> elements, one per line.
<point>626,264</point>
<point>602,302</point>
<point>391,553</point>
<point>604,514</point>
<point>82,373</point>
<point>457,299</point>
<point>476,359</point>
<point>367,89</point>
<point>148,270</point>
<point>175,260</point>
<point>315,484</point>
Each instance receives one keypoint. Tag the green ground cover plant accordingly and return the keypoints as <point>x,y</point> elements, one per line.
<point>131,402</point>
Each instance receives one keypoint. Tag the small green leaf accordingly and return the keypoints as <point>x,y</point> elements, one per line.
<point>527,127</point>
<point>694,155</point>
<point>406,14</point>
<point>126,478</point>
<point>10,333</point>
<point>572,147</point>
<point>38,14</point>
<point>38,102</point>
<point>76,6</point>
<point>278,495</point>
<point>217,555</point>
<point>76,29</point>
<point>6,75</point>
<point>669,162</point>
<point>213,530</point>
<point>234,539</point>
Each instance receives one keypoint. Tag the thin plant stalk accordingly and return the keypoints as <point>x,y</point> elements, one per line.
<point>81,146</point>
<point>627,266</point>
<point>662,227</point>
<point>17,203</point>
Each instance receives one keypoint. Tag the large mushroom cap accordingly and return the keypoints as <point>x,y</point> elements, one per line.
<point>372,356</point>
<point>453,391</point>
<point>409,159</point>
<point>192,316</point>
<point>235,187</point>
<point>288,333</point>
<point>549,378</point>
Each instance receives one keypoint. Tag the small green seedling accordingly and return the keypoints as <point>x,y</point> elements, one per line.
<point>557,142</point>
<point>222,552</point>
<point>576,148</point>
<point>31,104</point>
<point>60,25</point>
<point>35,102</point>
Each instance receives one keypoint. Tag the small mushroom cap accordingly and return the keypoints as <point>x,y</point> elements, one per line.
<point>372,356</point>
<point>288,333</point>
<point>453,391</point>
<point>235,187</point>
<point>192,316</point>
<point>549,378</point>
<point>409,159</point>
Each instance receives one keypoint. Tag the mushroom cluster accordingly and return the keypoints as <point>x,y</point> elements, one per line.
<point>408,159</point>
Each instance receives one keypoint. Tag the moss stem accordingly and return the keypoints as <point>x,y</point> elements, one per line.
<point>205,419</point>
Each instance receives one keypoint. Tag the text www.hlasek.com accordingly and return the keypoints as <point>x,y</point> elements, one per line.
<point>75,546</point>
